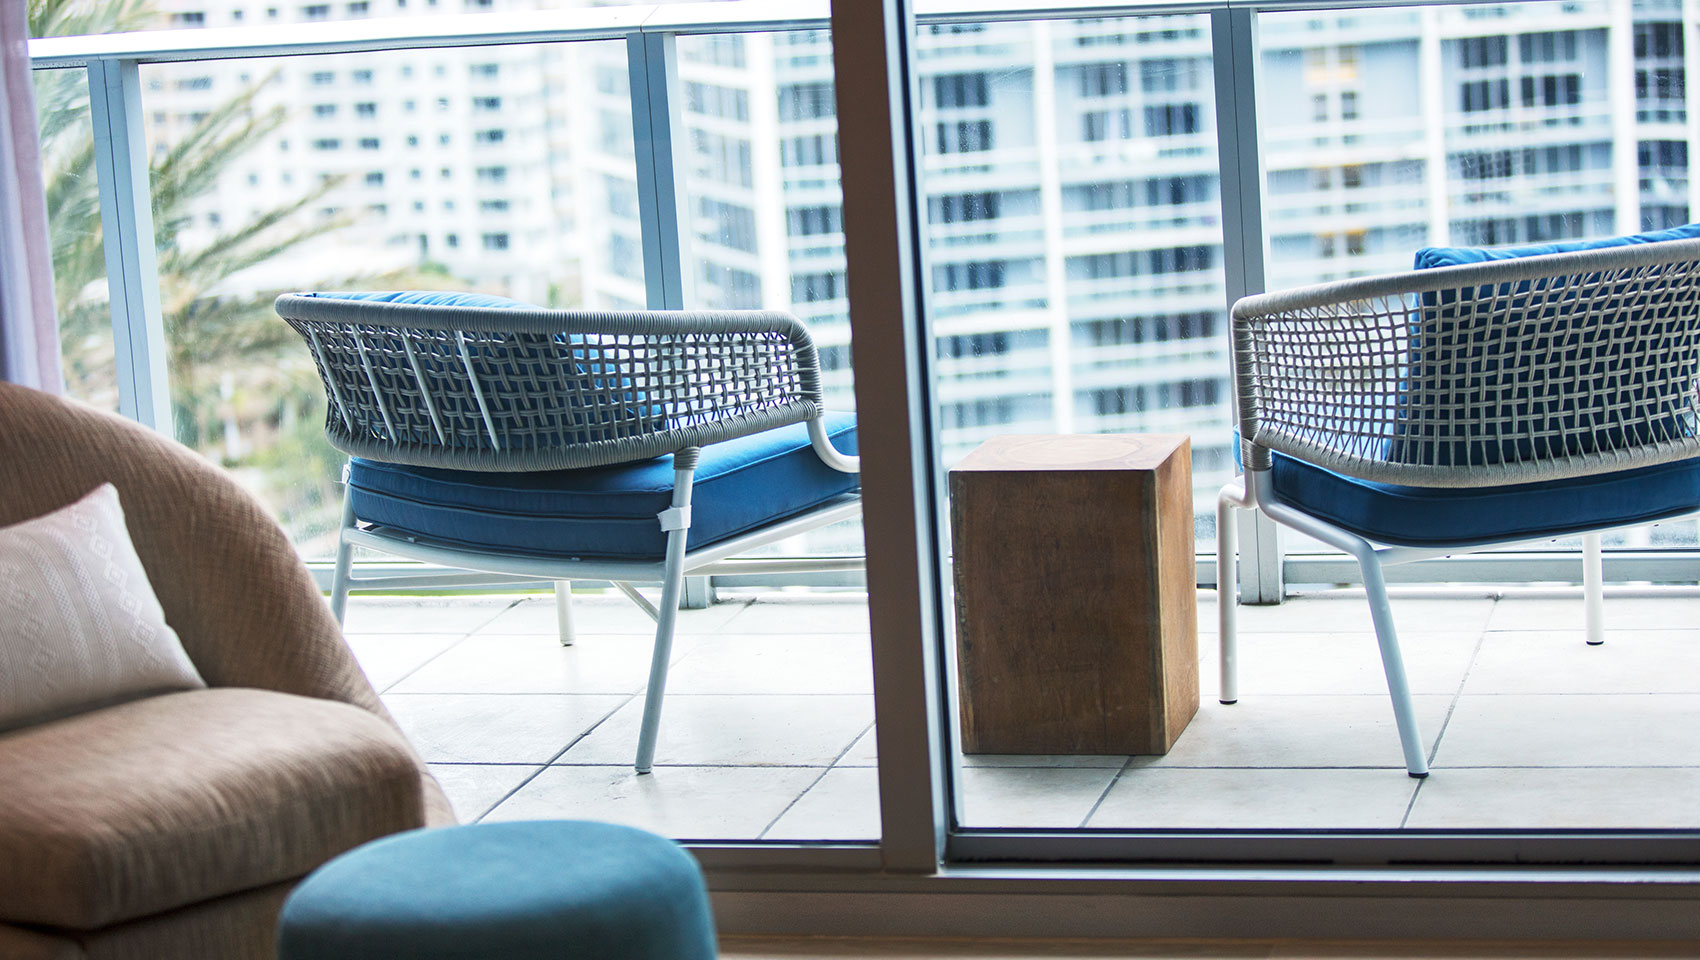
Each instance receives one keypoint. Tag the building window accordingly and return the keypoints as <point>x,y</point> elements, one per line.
<point>964,136</point>
<point>1104,79</point>
<point>1552,90</point>
<point>375,178</point>
<point>960,90</point>
<point>366,110</point>
<point>713,100</point>
<point>813,221</point>
<point>816,287</point>
<point>809,151</point>
<point>492,206</point>
<point>1480,95</point>
<point>955,207</point>
<point>489,136</point>
<point>974,275</point>
<point>492,174</point>
<point>495,241</point>
<point>1481,52</point>
<point>316,11</point>
<point>1171,119</point>
<point>361,77</point>
<point>485,103</point>
<point>726,224</point>
<point>369,143</point>
<point>324,110</point>
<point>806,101</point>
<point>192,18</point>
<point>327,143</point>
<point>484,69</point>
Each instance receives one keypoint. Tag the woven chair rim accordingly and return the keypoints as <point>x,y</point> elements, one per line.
<point>1314,443</point>
<point>487,319</point>
<point>687,331</point>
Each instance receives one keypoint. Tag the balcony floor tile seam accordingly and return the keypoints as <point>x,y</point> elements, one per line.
<point>1120,772</point>
<point>1451,708</point>
<point>816,781</point>
<point>659,765</point>
<point>575,741</point>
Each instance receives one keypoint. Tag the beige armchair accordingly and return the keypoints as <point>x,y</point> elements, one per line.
<point>173,826</point>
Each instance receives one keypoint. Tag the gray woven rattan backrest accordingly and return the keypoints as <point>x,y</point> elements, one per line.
<point>1505,372</point>
<point>481,388</point>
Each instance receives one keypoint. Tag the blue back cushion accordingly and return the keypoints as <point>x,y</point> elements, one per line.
<point>1492,349</point>
<point>597,425</point>
<point>434,298</point>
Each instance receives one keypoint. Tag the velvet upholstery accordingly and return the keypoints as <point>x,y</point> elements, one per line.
<point>519,891</point>
<point>607,512</point>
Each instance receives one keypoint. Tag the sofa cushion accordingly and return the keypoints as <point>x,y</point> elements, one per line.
<point>167,801</point>
<point>607,512</point>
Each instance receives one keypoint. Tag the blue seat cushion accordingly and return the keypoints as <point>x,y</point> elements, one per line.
<point>1433,516</point>
<point>607,512</point>
<point>525,890</point>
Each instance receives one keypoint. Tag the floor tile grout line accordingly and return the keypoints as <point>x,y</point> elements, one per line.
<point>1125,767</point>
<point>816,781</point>
<point>1451,708</point>
<point>560,753</point>
<point>433,657</point>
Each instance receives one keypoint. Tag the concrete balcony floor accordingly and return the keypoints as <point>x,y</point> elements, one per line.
<point>768,727</point>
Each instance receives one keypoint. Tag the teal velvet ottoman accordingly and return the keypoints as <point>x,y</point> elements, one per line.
<point>559,889</point>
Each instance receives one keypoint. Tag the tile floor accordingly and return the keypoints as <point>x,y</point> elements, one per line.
<point>768,728</point>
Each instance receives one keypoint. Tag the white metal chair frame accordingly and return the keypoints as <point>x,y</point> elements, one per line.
<point>481,388</point>
<point>1466,376</point>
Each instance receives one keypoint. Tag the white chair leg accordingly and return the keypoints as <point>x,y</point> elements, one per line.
<point>344,556</point>
<point>677,522</point>
<point>564,610</point>
<point>1393,664</point>
<point>1593,589</point>
<point>1227,595</point>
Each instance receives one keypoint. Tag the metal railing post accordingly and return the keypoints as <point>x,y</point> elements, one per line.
<point>658,137</point>
<point>126,221</point>
<point>1234,52</point>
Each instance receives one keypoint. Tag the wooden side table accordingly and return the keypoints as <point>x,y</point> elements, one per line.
<point>1076,604</point>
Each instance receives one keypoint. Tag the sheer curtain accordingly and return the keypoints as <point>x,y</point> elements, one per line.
<point>29,331</point>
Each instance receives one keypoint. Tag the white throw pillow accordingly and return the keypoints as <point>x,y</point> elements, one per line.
<point>80,626</point>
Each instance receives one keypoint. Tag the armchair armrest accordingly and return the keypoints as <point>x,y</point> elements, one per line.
<point>1512,371</point>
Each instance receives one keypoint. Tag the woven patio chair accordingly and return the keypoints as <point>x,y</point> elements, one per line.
<point>489,435</point>
<point>1447,410</point>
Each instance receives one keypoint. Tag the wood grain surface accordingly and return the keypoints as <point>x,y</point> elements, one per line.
<point>1077,626</point>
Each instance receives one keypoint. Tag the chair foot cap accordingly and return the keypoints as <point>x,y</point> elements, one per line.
<point>1417,776</point>
<point>1596,643</point>
<point>1229,702</point>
